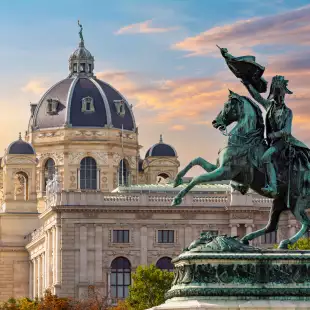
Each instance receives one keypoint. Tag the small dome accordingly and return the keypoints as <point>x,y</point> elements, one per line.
<point>161,149</point>
<point>20,147</point>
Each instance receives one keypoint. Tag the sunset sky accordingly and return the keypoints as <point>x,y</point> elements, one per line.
<point>161,55</point>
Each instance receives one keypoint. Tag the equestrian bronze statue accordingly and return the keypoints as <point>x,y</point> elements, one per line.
<point>276,166</point>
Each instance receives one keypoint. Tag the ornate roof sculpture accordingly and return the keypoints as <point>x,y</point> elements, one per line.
<point>82,100</point>
<point>20,147</point>
<point>161,149</point>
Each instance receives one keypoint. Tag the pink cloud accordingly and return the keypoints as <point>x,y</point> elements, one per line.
<point>290,27</point>
<point>143,27</point>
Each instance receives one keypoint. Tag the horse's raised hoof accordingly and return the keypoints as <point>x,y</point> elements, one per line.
<point>284,245</point>
<point>176,201</point>
<point>177,182</point>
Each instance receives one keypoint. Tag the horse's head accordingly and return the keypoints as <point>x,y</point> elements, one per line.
<point>231,112</point>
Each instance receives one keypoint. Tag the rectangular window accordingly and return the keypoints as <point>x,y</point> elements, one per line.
<point>270,238</point>
<point>121,236</point>
<point>165,236</point>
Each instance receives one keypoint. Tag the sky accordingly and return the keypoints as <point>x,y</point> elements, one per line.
<point>161,55</point>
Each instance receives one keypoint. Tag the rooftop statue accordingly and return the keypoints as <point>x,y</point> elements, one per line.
<point>277,166</point>
<point>81,31</point>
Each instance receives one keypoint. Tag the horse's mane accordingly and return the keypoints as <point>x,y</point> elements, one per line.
<point>259,114</point>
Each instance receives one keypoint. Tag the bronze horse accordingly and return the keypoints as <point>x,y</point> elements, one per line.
<point>240,161</point>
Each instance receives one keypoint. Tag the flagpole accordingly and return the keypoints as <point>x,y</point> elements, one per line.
<point>122,155</point>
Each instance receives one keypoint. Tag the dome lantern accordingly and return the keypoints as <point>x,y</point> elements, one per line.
<point>81,61</point>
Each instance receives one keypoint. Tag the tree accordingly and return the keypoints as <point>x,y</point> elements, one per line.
<point>149,287</point>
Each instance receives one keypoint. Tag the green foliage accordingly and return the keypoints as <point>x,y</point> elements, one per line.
<point>301,244</point>
<point>149,287</point>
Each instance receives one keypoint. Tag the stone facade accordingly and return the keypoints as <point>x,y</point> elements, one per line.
<point>104,212</point>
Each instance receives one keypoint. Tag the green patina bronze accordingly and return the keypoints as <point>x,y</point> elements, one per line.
<point>218,272</point>
<point>276,166</point>
<point>81,31</point>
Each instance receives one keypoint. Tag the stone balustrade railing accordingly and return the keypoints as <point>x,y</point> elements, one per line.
<point>97,198</point>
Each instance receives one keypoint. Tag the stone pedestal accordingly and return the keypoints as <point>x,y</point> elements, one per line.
<point>225,274</point>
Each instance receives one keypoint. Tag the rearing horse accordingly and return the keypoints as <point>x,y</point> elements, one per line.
<point>239,161</point>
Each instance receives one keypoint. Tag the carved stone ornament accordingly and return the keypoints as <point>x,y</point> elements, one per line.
<point>132,161</point>
<point>116,158</point>
<point>58,157</point>
<point>20,160</point>
<point>100,157</point>
<point>241,215</point>
<point>51,134</point>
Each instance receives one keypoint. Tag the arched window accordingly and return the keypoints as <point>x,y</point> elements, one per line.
<point>21,186</point>
<point>123,173</point>
<point>49,171</point>
<point>120,277</point>
<point>162,178</point>
<point>164,263</point>
<point>88,173</point>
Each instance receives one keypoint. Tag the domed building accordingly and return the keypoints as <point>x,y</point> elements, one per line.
<point>79,206</point>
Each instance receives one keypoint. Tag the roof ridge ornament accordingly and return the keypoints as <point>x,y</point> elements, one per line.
<point>20,136</point>
<point>161,138</point>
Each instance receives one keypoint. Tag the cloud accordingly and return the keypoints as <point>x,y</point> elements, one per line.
<point>34,86</point>
<point>178,127</point>
<point>291,27</point>
<point>143,27</point>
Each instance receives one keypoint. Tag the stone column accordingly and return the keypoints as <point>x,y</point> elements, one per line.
<point>46,263</point>
<point>43,286</point>
<point>30,293</point>
<point>53,254</point>
<point>83,253</point>
<point>233,229</point>
<point>35,278</point>
<point>249,228</point>
<point>98,254</point>
<point>39,276</point>
<point>188,238</point>
<point>143,246</point>
<point>291,230</point>
<point>58,255</point>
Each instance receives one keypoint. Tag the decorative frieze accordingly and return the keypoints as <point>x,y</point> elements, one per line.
<point>58,157</point>
<point>100,157</point>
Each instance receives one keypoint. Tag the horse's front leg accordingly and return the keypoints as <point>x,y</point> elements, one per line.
<point>195,162</point>
<point>219,174</point>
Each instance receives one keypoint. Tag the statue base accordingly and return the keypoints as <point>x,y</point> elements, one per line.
<point>206,304</point>
<point>222,273</point>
